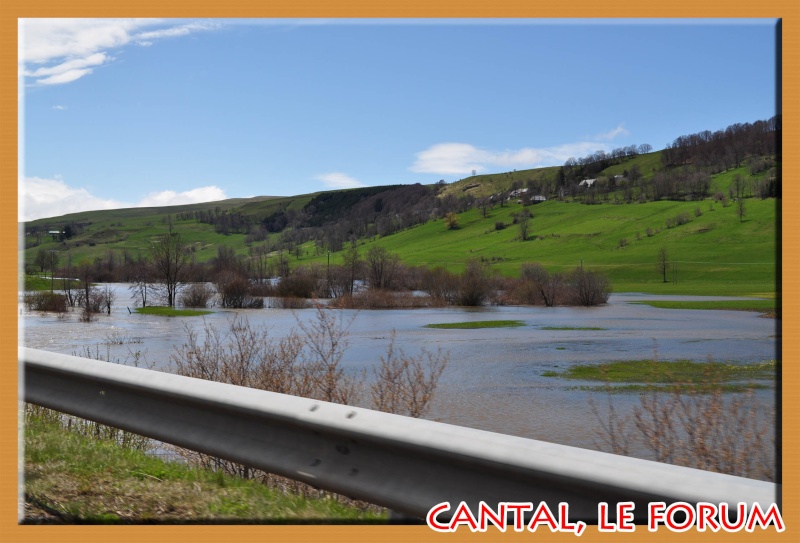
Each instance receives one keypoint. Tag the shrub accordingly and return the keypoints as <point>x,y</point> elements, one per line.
<point>440,284</point>
<point>473,285</point>
<point>197,295</point>
<point>234,291</point>
<point>623,242</point>
<point>697,430</point>
<point>46,301</point>
<point>588,288</point>
<point>499,225</point>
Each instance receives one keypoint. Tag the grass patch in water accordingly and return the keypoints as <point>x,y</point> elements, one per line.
<point>171,312</point>
<point>768,307</point>
<point>689,388</point>
<point>572,328</point>
<point>476,324</point>
<point>682,374</point>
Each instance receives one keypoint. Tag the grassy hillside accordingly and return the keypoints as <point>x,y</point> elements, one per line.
<point>713,253</point>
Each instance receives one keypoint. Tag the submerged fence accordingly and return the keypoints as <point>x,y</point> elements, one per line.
<point>408,465</point>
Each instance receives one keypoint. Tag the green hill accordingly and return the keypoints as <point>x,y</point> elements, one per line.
<point>637,207</point>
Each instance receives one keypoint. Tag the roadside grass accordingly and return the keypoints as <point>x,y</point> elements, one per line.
<point>571,328</point>
<point>685,375</point>
<point>768,307</point>
<point>75,480</point>
<point>477,324</point>
<point>171,312</point>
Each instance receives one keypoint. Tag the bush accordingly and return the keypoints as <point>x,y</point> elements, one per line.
<point>499,225</point>
<point>697,430</point>
<point>197,295</point>
<point>46,301</point>
<point>234,291</point>
<point>474,284</point>
<point>588,288</point>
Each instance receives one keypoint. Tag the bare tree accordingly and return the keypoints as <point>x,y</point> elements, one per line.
<point>662,262</point>
<point>381,267</point>
<point>352,266</point>
<point>170,254</point>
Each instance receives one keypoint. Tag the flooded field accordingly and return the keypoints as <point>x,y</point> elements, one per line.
<point>494,380</point>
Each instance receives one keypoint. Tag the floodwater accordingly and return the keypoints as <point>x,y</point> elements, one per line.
<point>494,380</point>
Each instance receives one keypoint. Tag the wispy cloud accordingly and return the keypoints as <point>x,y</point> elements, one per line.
<point>40,198</point>
<point>171,198</point>
<point>611,134</point>
<point>463,158</point>
<point>59,51</point>
<point>59,108</point>
<point>338,180</point>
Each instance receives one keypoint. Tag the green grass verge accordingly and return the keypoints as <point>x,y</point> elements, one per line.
<point>683,374</point>
<point>476,324</point>
<point>571,328</point>
<point>171,312</point>
<point>72,479</point>
<point>768,307</point>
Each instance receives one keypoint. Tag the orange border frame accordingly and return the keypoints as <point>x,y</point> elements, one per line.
<point>10,530</point>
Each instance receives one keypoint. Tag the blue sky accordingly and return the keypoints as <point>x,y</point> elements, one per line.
<point>123,113</point>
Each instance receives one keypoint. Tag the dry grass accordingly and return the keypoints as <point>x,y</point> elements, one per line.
<point>733,434</point>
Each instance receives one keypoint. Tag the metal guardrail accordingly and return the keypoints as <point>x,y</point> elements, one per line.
<point>408,465</point>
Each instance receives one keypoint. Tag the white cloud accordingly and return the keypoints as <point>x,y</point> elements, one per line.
<point>60,108</point>
<point>171,198</point>
<point>67,49</point>
<point>52,197</point>
<point>463,158</point>
<point>610,135</point>
<point>338,180</point>
<point>39,198</point>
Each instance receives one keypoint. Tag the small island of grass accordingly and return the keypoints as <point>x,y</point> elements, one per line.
<point>686,375</point>
<point>171,311</point>
<point>477,324</point>
<point>768,307</point>
<point>571,328</point>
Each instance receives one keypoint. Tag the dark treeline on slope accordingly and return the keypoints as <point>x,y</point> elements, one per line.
<point>725,149</point>
<point>686,167</point>
<point>576,169</point>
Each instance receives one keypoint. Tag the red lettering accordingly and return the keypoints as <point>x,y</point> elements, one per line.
<point>519,517</point>
<point>705,517</point>
<point>656,510</point>
<point>543,515</point>
<point>675,508</point>
<point>624,516</point>
<point>758,516</point>
<point>602,518</point>
<point>497,518</point>
<point>431,518</point>
<point>563,520</point>
<point>740,520</point>
<point>463,516</point>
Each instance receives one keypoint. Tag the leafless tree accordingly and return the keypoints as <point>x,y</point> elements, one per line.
<point>662,262</point>
<point>170,254</point>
